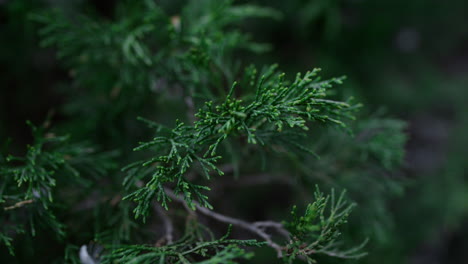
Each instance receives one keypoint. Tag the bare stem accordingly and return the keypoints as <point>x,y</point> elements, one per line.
<point>168,226</point>
<point>252,227</point>
<point>276,225</point>
<point>18,204</point>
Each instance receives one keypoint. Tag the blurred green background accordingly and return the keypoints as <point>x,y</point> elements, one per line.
<point>407,59</point>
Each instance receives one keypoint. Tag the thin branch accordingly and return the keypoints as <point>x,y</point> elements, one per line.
<point>190,107</point>
<point>18,204</point>
<point>276,225</point>
<point>167,222</point>
<point>258,179</point>
<point>234,221</point>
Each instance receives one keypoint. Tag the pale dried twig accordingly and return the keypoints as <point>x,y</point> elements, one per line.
<point>18,204</point>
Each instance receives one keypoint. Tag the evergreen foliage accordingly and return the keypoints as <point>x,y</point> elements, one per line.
<point>317,232</point>
<point>31,182</point>
<point>276,104</point>
<point>173,144</point>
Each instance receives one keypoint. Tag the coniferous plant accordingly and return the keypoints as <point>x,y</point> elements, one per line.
<point>170,147</point>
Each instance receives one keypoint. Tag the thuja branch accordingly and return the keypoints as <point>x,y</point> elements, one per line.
<point>252,227</point>
<point>314,233</point>
<point>277,110</point>
<point>31,182</point>
<point>317,231</point>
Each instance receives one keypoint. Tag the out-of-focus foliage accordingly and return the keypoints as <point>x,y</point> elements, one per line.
<point>31,183</point>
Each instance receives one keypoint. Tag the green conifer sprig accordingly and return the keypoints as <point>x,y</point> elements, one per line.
<point>185,250</point>
<point>30,182</point>
<point>317,231</point>
<point>276,106</point>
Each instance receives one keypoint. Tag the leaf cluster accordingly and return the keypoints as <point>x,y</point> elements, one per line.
<point>190,247</point>
<point>277,107</point>
<point>317,231</point>
<point>31,182</point>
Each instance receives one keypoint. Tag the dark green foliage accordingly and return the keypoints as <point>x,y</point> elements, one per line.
<point>185,250</point>
<point>143,58</point>
<point>317,232</point>
<point>383,141</point>
<point>30,183</point>
<point>369,160</point>
<point>219,144</point>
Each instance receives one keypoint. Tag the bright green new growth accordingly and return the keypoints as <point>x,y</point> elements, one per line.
<point>278,108</point>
